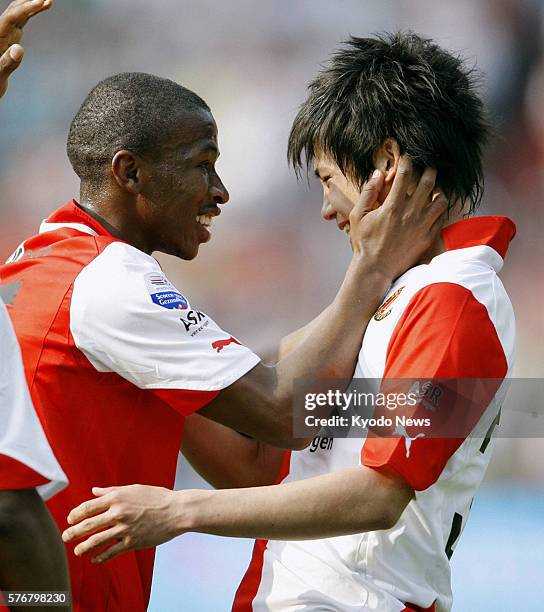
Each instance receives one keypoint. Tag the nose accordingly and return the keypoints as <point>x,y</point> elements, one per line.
<point>327,211</point>
<point>219,192</point>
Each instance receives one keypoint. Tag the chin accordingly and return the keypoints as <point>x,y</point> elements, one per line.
<point>184,255</point>
<point>188,254</point>
<point>181,252</point>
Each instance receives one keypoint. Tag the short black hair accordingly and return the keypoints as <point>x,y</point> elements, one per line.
<point>400,86</point>
<point>131,110</point>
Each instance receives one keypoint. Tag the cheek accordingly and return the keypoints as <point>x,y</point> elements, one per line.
<point>179,183</point>
<point>340,201</point>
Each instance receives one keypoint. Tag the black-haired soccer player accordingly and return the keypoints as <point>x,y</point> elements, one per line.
<point>366,524</point>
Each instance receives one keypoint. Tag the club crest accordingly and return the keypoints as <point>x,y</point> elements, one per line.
<point>385,309</point>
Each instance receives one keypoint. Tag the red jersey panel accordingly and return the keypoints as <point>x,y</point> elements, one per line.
<point>115,356</point>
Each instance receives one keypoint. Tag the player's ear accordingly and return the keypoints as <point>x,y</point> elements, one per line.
<point>127,171</point>
<point>386,158</point>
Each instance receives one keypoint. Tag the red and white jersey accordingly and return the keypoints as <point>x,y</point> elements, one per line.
<point>115,358</point>
<point>26,459</point>
<point>449,319</point>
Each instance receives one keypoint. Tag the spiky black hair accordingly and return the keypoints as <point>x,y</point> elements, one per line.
<point>398,86</point>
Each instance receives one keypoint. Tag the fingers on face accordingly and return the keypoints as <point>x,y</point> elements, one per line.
<point>369,195</point>
<point>401,183</point>
<point>438,212</point>
<point>425,186</point>
<point>438,203</point>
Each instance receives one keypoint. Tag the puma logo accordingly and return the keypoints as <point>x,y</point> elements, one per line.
<point>219,345</point>
<point>401,431</point>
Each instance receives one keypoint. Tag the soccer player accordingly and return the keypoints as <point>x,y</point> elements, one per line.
<point>116,356</point>
<point>365,524</point>
<point>33,556</point>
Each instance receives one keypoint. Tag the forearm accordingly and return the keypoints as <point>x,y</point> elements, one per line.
<point>352,501</point>
<point>263,398</point>
<point>33,556</point>
<point>289,343</point>
<point>227,459</point>
<point>330,348</point>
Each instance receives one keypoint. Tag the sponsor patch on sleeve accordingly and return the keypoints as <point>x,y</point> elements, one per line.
<point>163,293</point>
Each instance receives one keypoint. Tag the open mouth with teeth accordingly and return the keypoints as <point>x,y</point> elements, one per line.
<point>205,222</point>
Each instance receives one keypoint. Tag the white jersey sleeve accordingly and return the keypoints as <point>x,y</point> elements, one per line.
<point>26,459</point>
<point>127,318</point>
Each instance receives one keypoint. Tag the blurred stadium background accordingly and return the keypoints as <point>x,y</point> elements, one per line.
<point>272,263</point>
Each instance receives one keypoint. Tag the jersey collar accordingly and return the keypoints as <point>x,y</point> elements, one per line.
<point>495,232</point>
<point>487,238</point>
<point>72,216</point>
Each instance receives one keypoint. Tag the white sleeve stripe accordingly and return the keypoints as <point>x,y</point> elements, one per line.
<point>127,318</point>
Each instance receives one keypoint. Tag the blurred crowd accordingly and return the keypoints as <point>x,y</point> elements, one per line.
<point>272,263</point>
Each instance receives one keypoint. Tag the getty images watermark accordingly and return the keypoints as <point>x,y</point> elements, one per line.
<point>357,402</point>
<point>420,407</point>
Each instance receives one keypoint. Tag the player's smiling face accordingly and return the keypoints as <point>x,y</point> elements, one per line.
<point>183,190</point>
<point>339,193</point>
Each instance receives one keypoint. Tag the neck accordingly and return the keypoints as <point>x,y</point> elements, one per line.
<point>438,247</point>
<point>117,217</point>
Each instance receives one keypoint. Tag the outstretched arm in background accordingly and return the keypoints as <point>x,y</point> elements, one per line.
<point>12,21</point>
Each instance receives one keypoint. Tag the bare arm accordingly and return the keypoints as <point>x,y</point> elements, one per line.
<point>33,556</point>
<point>351,501</point>
<point>385,242</point>
<point>294,339</point>
<point>260,404</point>
<point>227,459</point>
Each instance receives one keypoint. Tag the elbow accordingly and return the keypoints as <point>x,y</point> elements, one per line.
<point>285,440</point>
<point>282,434</point>
<point>392,507</point>
<point>284,437</point>
<point>388,518</point>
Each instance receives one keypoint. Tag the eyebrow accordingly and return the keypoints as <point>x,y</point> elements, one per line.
<point>208,147</point>
<point>316,172</point>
